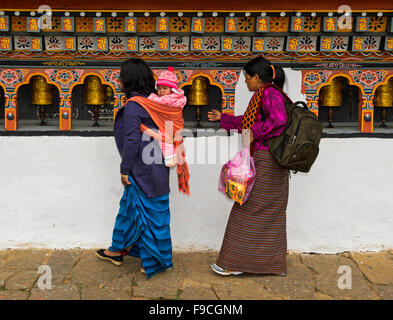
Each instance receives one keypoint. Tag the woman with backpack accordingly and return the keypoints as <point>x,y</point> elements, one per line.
<point>255,239</point>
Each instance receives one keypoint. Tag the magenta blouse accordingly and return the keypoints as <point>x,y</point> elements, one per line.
<point>273,104</point>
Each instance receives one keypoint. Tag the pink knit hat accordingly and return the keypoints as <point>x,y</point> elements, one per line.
<point>167,78</point>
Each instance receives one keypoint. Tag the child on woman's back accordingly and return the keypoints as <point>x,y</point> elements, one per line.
<point>169,94</point>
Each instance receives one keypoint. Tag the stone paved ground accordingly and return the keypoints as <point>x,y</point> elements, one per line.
<point>79,274</point>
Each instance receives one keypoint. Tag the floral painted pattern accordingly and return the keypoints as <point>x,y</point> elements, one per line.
<point>86,43</point>
<point>227,78</point>
<point>11,77</point>
<point>22,43</point>
<point>53,43</point>
<point>19,23</point>
<point>278,24</point>
<point>246,24</point>
<point>112,76</point>
<point>146,24</point>
<point>116,44</point>
<point>313,79</point>
<point>377,24</point>
<point>84,24</point>
<point>307,43</point>
<point>274,43</point>
<point>183,76</point>
<point>212,43</point>
<point>65,77</point>
<point>312,24</point>
<point>242,43</point>
<point>368,78</point>
<point>115,24</point>
<point>371,43</point>
<point>179,24</point>
<point>214,24</point>
<point>179,43</point>
<point>147,43</point>
<point>340,43</point>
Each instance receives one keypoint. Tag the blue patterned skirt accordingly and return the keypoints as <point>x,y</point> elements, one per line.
<point>144,223</point>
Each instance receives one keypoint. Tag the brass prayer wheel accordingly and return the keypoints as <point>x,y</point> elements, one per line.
<point>384,98</point>
<point>109,92</point>
<point>94,91</point>
<point>199,92</point>
<point>331,95</point>
<point>384,95</point>
<point>41,91</point>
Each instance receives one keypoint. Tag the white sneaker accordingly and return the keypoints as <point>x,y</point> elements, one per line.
<point>224,272</point>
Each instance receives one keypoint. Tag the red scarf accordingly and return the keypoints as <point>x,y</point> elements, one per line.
<point>160,114</point>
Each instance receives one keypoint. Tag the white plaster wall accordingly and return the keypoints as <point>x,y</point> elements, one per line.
<point>293,84</point>
<point>63,192</point>
<point>242,95</point>
<point>292,87</point>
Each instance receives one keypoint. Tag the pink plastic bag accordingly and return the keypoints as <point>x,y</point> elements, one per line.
<point>237,176</point>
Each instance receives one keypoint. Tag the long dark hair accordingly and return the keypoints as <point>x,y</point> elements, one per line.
<point>136,76</point>
<point>263,68</point>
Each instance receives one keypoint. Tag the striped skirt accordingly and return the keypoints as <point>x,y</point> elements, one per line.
<point>143,223</point>
<point>255,239</point>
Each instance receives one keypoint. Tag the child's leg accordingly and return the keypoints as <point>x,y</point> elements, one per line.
<point>169,154</point>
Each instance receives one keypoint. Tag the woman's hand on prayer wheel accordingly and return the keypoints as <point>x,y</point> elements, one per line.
<point>214,115</point>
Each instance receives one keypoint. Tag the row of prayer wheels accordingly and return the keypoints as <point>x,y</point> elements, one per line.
<point>42,91</point>
<point>331,96</point>
<point>94,95</point>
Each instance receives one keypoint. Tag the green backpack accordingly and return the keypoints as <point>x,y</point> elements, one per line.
<point>298,145</point>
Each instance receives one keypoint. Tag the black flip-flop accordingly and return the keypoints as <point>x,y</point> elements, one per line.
<point>117,260</point>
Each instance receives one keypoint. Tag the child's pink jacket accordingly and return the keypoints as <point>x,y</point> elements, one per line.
<point>177,100</point>
<point>173,99</point>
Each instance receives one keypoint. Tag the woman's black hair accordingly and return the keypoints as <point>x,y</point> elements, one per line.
<point>263,68</point>
<point>136,76</point>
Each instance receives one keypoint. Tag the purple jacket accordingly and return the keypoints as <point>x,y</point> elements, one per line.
<point>273,104</point>
<point>152,178</point>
